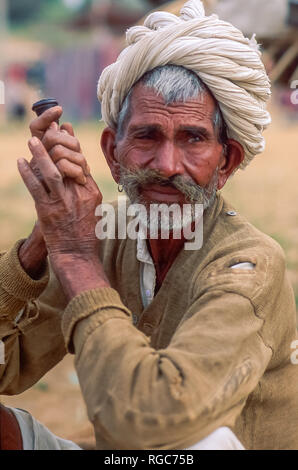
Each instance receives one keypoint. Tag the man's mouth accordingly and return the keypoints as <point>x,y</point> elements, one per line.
<point>163,189</point>
<point>161,193</point>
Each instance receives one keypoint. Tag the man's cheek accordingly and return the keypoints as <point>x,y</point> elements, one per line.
<point>137,158</point>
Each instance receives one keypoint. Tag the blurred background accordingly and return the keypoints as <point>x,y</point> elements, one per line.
<point>58,48</point>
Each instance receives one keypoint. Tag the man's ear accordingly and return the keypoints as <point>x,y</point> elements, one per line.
<point>230,161</point>
<point>108,145</point>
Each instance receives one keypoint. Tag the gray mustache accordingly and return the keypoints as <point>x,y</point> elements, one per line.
<point>132,181</point>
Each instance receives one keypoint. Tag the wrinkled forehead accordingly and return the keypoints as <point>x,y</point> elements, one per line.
<point>147,102</point>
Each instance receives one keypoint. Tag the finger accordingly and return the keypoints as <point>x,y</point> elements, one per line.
<point>39,125</point>
<point>32,183</point>
<point>70,170</point>
<point>52,138</point>
<point>49,171</point>
<point>34,167</point>
<point>54,126</point>
<point>68,128</point>
<point>61,153</point>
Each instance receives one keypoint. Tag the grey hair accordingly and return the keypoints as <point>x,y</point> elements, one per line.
<point>174,83</point>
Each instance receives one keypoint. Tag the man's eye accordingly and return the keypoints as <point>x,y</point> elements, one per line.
<point>145,137</point>
<point>194,139</point>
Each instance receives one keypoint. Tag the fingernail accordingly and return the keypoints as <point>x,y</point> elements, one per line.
<point>88,170</point>
<point>83,180</point>
<point>34,141</point>
<point>53,125</point>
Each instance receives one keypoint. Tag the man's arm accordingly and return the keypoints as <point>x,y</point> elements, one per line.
<point>33,254</point>
<point>24,277</point>
<point>24,272</point>
<point>141,398</point>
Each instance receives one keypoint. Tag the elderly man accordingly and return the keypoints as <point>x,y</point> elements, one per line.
<point>174,348</point>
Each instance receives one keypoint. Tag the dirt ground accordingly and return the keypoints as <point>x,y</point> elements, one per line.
<point>266,193</point>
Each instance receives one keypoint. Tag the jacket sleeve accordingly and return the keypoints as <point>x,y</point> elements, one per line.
<point>142,398</point>
<point>30,324</point>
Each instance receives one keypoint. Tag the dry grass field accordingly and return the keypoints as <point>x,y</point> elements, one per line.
<point>266,193</point>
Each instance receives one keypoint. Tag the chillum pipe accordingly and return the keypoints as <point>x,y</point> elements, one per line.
<point>41,106</point>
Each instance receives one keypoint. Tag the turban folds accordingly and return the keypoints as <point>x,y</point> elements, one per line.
<point>227,62</point>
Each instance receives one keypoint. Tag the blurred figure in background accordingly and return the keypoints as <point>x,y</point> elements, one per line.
<point>16,90</point>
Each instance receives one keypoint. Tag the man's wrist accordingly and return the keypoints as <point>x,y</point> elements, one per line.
<point>78,273</point>
<point>33,255</point>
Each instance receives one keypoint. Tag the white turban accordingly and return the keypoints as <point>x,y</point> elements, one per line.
<point>227,62</point>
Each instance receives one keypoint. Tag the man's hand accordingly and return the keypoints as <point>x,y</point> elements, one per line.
<point>65,151</point>
<point>67,220</point>
<point>61,144</point>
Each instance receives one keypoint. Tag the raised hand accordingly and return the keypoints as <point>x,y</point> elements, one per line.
<point>66,213</point>
<point>65,151</point>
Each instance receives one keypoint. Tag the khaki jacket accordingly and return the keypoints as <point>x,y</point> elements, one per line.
<point>212,349</point>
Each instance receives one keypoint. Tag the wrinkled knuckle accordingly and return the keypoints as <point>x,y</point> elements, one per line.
<point>59,149</point>
<point>77,144</point>
<point>57,152</point>
<point>62,166</point>
<point>80,159</point>
<point>55,177</point>
<point>79,171</point>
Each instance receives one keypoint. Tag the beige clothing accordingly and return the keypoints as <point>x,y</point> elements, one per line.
<point>211,350</point>
<point>148,272</point>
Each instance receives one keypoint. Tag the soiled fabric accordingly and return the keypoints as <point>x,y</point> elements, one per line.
<point>148,272</point>
<point>227,62</point>
<point>212,349</point>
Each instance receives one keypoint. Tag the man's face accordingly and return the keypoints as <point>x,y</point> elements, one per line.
<point>170,143</point>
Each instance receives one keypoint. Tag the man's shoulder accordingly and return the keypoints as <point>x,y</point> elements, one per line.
<point>238,257</point>
<point>233,234</point>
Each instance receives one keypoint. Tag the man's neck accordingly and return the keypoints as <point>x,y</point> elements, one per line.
<point>164,253</point>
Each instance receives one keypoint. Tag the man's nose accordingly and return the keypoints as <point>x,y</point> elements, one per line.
<point>168,160</point>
